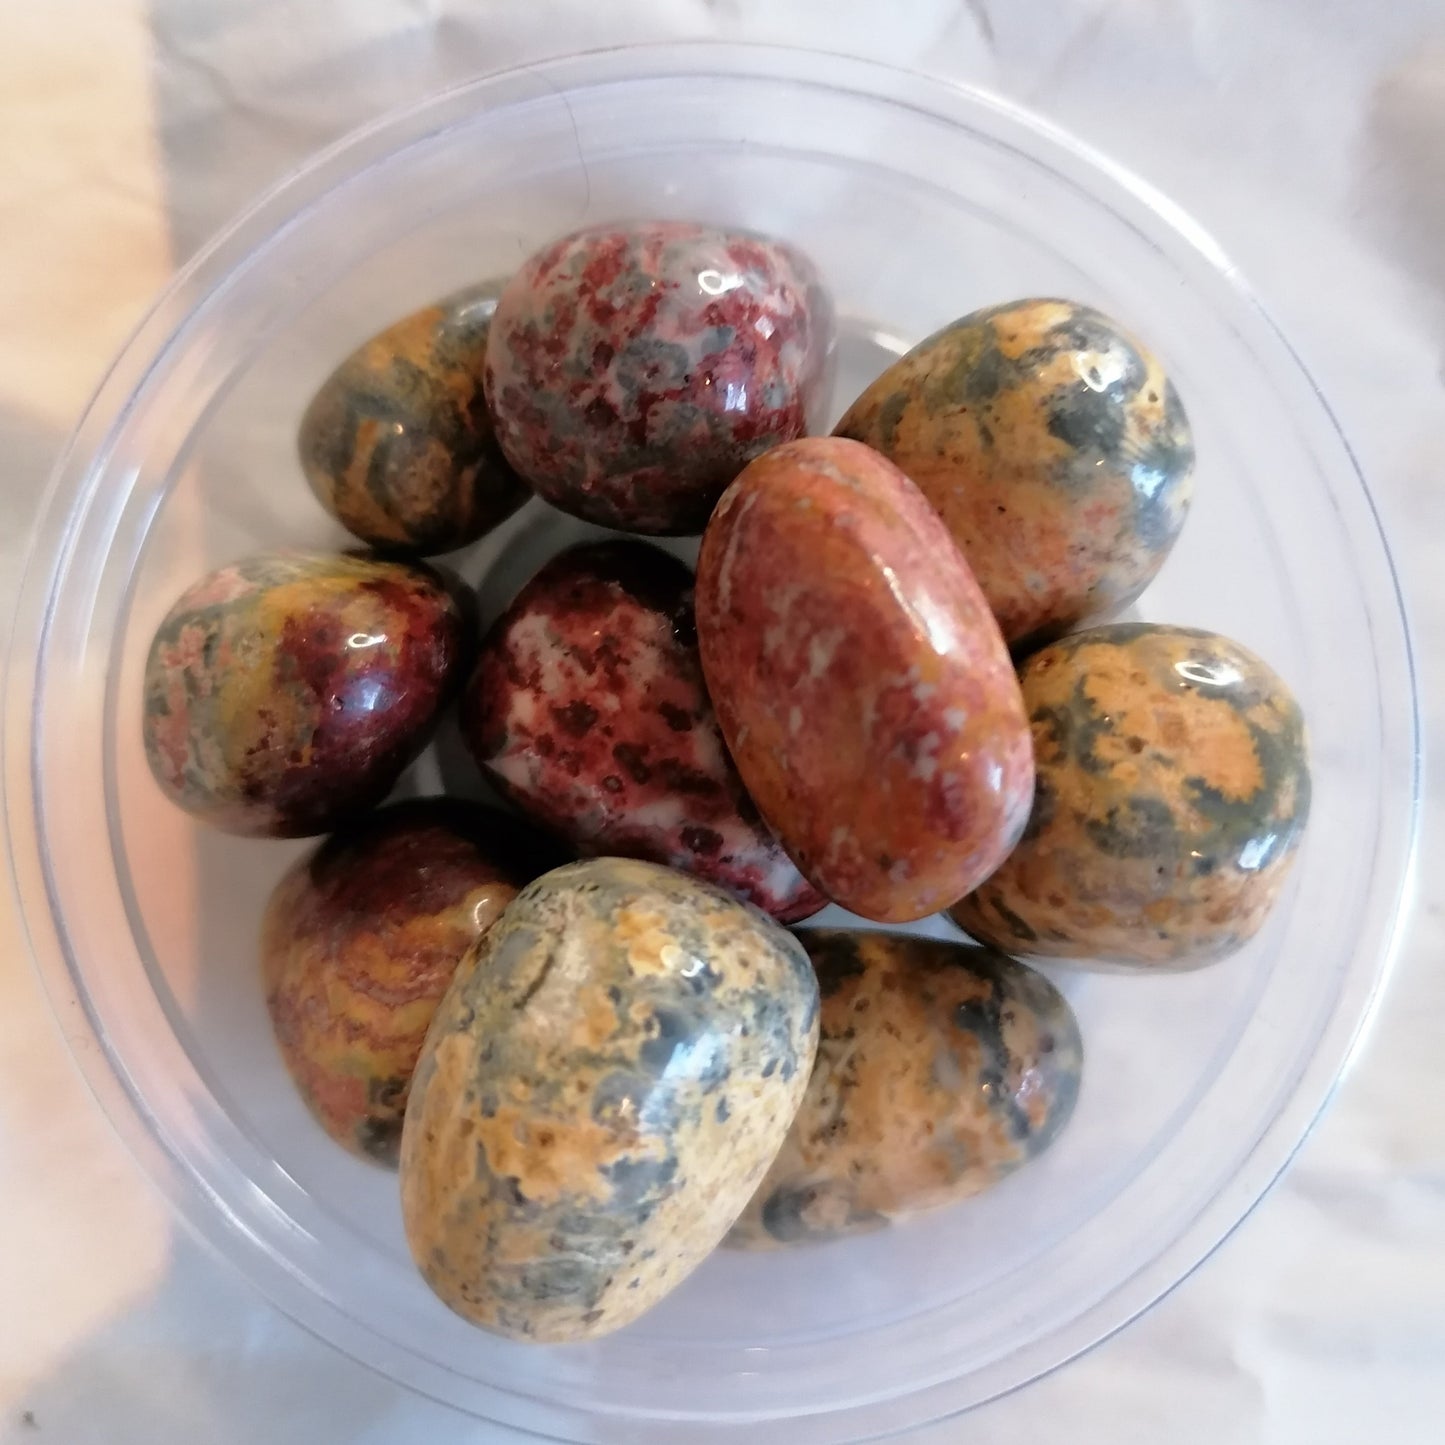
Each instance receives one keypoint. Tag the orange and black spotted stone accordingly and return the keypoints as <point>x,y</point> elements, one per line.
<point>942,1068</point>
<point>285,693</point>
<point>1054,448</point>
<point>602,1090</point>
<point>361,939</point>
<point>587,710</point>
<point>861,683</point>
<point>398,444</point>
<point>1173,789</point>
<point>634,371</point>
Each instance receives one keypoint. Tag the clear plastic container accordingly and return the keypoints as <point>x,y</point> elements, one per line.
<point>919,201</point>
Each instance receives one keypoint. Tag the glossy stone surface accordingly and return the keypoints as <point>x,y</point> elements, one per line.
<point>634,371</point>
<point>285,693</point>
<point>361,939</point>
<point>941,1069</point>
<point>601,1092</point>
<point>1054,448</point>
<point>398,444</point>
<point>1173,789</point>
<point>862,686</point>
<point>588,711</point>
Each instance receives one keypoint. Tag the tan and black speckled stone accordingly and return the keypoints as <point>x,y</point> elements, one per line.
<point>601,1091</point>
<point>1173,789</point>
<point>398,444</point>
<point>941,1069</point>
<point>1053,446</point>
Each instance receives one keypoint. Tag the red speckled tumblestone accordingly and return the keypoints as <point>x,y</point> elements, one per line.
<point>862,684</point>
<point>285,693</point>
<point>588,711</point>
<point>633,371</point>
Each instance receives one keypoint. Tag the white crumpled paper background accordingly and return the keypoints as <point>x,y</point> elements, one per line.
<point>1308,135</point>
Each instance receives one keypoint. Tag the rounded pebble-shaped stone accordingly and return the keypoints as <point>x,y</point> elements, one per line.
<point>284,694</point>
<point>1173,789</point>
<point>601,1092</point>
<point>1054,448</point>
<point>398,444</point>
<point>587,710</point>
<point>863,688</point>
<point>942,1068</point>
<point>633,371</point>
<point>359,942</point>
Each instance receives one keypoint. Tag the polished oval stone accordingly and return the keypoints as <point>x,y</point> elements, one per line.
<point>633,371</point>
<point>588,711</point>
<point>398,444</point>
<point>285,693</point>
<point>942,1068</point>
<point>863,688</point>
<point>1054,448</point>
<point>360,940</point>
<point>1173,790</point>
<point>602,1090</point>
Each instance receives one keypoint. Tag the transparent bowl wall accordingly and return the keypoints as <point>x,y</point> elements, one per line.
<point>919,201</point>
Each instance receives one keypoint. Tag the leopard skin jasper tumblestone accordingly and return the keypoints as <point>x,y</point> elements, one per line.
<point>1172,790</point>
<point>602,1089</point>
<point>398,444</point>
<point>587,710</point>
<point>361,938</point>
<point>942,1068</point>
<point>861,683</point>
<point>634,370</point>
<point>285,693</point>
<point>1054,448</point>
